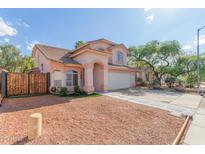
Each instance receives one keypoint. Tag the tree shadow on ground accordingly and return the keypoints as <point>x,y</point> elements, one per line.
<point>27,103</point>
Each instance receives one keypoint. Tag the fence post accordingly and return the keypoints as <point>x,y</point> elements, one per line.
<point>4,84</point>
<point>48,82</point>
<point>28,83</point>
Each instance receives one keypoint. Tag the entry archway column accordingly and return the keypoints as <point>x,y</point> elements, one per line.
<point>105,77</point>
<point>88,76</point>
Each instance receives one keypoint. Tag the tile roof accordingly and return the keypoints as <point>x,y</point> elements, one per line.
<point>56,54</point>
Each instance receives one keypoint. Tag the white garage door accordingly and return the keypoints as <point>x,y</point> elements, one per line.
<point>120,80</point>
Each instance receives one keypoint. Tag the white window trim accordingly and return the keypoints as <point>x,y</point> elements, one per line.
<point>71,72</point>
<point>57,78</point>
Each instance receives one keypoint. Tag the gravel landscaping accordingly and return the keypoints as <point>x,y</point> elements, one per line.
<point>89,120</point>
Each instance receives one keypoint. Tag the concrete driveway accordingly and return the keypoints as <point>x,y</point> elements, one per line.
<point>177,103</point>
<point>151,95</point>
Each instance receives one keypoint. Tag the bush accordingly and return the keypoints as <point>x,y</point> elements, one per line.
<point>77,90</point>
<point>63,91</point>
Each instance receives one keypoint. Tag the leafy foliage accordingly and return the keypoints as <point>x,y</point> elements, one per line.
<point>77,90</point>
<point>12,60</point>
<point>63,91</point>
<point>79,43</point>
<point>26,64</point>
<point>159,56</point>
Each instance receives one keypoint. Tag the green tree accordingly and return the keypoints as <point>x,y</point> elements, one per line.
<point>10,57</point>
<point>27,63</point>
<point>159,56</point>
<point>12,60</point>
<point>79,43</point>
<point>186,69</point>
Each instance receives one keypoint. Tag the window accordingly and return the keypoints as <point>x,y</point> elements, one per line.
<point>120,57</point>
<point>57,78</point>
<point>71,78</point>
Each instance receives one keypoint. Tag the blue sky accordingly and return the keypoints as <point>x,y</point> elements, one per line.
<point>63,27</point>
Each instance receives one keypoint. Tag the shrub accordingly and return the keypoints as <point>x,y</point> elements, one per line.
<point>77,90</point>
<point>63,91</point>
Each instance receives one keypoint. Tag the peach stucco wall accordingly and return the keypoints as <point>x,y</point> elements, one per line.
<point>39,59</point>
<point>63,69</point>
<point>96,45</point>
<point>98,77</point>
<point>51,66</point>
<point>88,59</point>
<point>115,55</point>
<point>114,58</point>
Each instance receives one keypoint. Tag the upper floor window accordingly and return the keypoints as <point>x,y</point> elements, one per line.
<point>71,78</point>
<point>120,57</point>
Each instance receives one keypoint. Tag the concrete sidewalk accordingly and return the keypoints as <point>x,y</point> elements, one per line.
<point>196,132</point>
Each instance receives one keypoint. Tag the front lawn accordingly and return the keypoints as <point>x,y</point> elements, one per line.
<point>87,120</point>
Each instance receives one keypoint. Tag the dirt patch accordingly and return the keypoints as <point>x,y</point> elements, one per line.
<point>90,120</point>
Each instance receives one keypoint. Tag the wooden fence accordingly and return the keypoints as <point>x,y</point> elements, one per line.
<point>15,84</point>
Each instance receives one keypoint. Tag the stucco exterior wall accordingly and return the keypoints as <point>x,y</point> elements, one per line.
<point>114,58</point>
<point>39,59</point>
<point>141,75</point>
<point>115,55</point>
<point>98,78</point>
<point>63,69</point>
<point>97,45</point>
<point>86,58</point>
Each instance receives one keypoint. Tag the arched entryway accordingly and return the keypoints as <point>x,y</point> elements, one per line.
<point>98,77</point>
<point>95,76</point>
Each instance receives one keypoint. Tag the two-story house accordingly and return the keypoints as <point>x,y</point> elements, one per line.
<point>98,65</point>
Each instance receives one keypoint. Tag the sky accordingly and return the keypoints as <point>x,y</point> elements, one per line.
<point>133,27</point>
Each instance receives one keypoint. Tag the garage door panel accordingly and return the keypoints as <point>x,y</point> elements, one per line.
<point>119,80</point>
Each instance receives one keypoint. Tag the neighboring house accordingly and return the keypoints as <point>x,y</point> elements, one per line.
<point>98,65</point>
